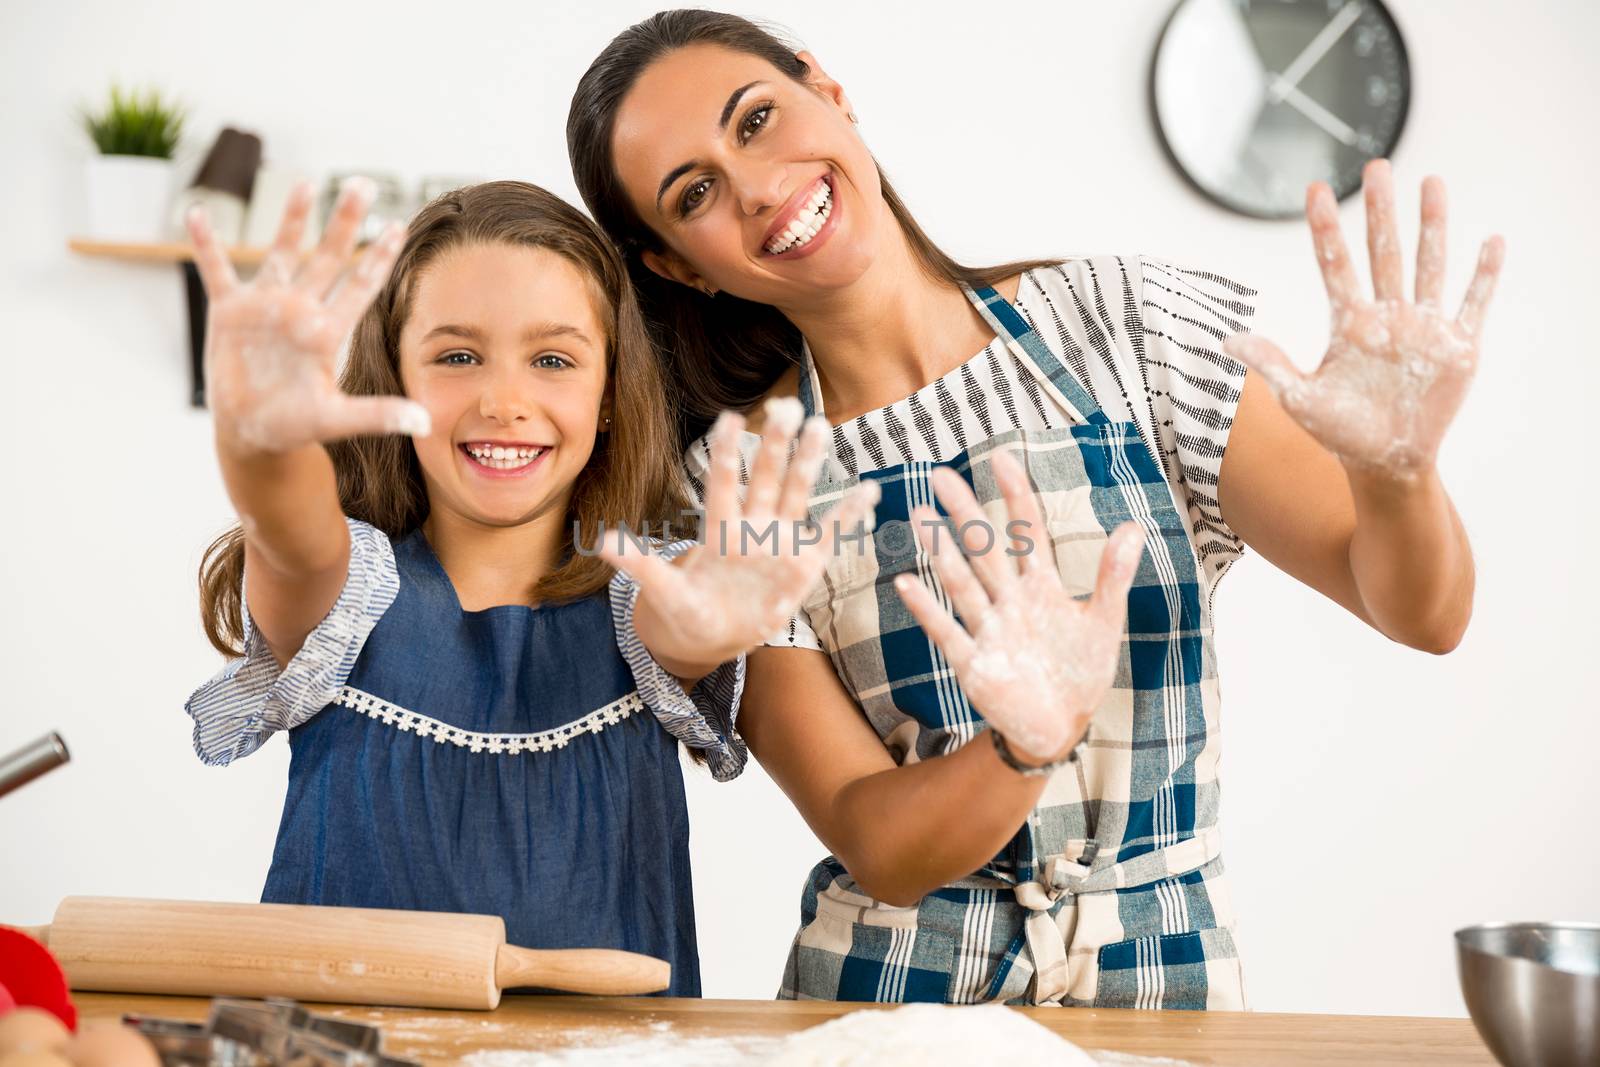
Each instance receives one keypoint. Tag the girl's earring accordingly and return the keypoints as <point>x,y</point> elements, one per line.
<point>606,424</point>
<point>708,290</point>
<point>853,118</point>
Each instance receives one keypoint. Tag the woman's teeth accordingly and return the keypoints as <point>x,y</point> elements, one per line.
<point>806,222</point>
<point>502,458</point>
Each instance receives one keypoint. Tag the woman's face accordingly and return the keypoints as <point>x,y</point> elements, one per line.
<point>503,347</point>
<point>755,183</point>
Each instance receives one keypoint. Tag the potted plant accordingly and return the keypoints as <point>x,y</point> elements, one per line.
<point>130,181</point>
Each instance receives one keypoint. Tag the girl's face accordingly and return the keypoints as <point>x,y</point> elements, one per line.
<point>504,349</point>
<point>756,184</point>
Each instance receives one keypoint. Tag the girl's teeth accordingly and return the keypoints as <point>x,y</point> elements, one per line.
<point>500,457</point>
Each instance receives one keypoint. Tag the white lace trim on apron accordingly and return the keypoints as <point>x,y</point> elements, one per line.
<point>495,744</point>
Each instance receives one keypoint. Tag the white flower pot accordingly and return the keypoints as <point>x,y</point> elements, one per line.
<point>128,197</point>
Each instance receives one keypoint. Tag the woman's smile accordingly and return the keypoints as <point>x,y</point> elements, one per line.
<point>805,222</point>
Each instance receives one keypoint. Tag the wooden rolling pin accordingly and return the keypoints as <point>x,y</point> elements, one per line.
<point>347,955</point>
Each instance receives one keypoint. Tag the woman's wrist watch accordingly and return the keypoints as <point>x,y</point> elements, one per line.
<point>1028,770</point>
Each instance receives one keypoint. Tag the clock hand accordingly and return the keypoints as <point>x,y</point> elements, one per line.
<point>1331,124</point>
<point>1314,51</point>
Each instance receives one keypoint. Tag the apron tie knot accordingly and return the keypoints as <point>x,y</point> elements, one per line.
<point>1057,876</point>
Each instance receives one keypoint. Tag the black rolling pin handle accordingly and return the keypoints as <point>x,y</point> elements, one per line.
<point>30,761</point>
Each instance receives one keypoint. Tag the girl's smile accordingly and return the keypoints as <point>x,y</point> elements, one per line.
<point>504,348</point>
<point>503,459</point>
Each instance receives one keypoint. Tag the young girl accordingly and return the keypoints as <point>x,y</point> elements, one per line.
<point>474,726</point>
<point>1079,866</point>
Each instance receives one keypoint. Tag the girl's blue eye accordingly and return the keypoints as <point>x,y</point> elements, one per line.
<point>555,362</point>
<point>455,359</point>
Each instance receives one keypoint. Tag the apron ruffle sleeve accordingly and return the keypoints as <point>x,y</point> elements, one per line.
<point>251,697</point>
<point>702,718</point>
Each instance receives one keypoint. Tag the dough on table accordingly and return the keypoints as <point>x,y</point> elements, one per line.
<point>929,1035</point>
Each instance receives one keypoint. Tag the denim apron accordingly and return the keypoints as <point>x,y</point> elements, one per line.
<point>497,762</point>
<point>1118,867</point>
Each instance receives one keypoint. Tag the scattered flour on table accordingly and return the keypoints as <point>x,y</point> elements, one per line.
<point>922,1035</point>
<point>666,1050</point>
<point>919,1035</point>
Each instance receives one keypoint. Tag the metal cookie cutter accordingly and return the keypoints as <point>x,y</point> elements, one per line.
<point>264,1033</point>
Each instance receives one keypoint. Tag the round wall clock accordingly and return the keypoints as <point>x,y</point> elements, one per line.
<point>1256,99</point>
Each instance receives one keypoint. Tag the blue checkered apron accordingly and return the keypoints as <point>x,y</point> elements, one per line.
<point>1112,893</point>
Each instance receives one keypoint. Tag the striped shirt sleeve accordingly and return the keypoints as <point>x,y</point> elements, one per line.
<point>797,632</point>
<point>1195,390</point>
<point>703,718</point>
<point>251,697</point>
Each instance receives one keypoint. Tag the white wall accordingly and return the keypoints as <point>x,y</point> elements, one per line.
<point>1376,798</point>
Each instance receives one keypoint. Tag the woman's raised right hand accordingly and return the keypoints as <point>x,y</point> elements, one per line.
<point>1033,659</point>
<point>272,344</point>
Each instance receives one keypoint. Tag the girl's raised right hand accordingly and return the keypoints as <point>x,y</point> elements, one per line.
<point>272,344</point>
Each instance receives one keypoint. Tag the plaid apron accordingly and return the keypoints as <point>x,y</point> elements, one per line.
<point>1112,893</point>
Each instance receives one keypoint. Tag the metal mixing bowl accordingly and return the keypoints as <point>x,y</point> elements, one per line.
<point>1533,991</point>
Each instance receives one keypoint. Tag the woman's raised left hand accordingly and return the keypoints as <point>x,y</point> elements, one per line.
<point>1395,372</point>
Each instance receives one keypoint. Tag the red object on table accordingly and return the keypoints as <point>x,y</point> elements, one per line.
<point>7,1001</point>
<point>29,975</point>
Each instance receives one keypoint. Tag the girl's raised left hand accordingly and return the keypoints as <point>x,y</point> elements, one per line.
<point>1395,373</point>
<point>758,558</point>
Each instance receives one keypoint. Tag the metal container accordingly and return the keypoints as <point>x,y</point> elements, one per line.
<point>391,204</point>
<point>1533,991</point>
<point>30,761</point>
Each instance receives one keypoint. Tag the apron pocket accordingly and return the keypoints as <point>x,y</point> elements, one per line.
<point>871,954</point>
<point>1194,971</point>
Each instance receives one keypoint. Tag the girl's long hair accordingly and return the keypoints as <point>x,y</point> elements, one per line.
<point>633,476</point>
<point>723,352</point>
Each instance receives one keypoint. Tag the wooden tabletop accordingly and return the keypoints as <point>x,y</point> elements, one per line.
<point>1236,1039</point>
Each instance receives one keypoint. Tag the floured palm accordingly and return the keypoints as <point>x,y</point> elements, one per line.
<point>1395,373</point>
<point>1033,660</point>
<point>760,557</point>
<point>272,345</point>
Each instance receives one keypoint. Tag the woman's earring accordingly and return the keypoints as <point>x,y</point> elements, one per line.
<point>606,424</point>
<point>708,290</point>
<point>853,118</point>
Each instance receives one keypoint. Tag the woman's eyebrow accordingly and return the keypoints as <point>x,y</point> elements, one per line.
<point>722,124</point>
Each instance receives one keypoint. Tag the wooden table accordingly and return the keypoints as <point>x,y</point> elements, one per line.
<point>1259,1039</point>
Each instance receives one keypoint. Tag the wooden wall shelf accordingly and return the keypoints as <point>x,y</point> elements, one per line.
<point>159,251</point>
<point>182,254</point>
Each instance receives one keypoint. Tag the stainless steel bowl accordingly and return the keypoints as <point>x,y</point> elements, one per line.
<point>1533,991</point>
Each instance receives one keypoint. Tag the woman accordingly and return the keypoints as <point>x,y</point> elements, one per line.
<point>775,260</point>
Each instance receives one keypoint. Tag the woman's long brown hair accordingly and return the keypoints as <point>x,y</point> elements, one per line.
<point>633,476</point>
<point>723,352</point>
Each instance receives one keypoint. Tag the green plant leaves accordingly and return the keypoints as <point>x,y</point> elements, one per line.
<point>136,124</point>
